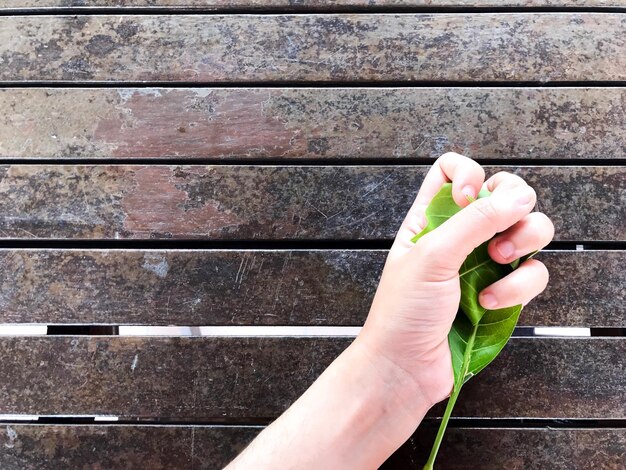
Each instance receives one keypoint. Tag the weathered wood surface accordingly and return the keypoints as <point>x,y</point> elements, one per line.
<point>205,287</point>
<point>212,447</point>
<point>307,4</point>
<point>294,48</point>
<point>209,378</point>
<point>336,123</point>
<point>515,449</point>
<point>63,447</point>
<point>188,287</point>
<point>271,202</point>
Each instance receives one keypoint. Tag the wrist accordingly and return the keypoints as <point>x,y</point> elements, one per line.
<point>428,376</point>
<point>401,392</point>
<point>359,411</point>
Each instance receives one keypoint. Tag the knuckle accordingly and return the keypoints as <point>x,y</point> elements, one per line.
<point>474,169</point>
<point>504,179</point>
<point>495,178</point>
<point>547,225</point>
<point>540,273</point>
<point>452,160</point>
<point>515,291</point>
<point>486,211</point>
<point>543,274</point>
<point>450,155</point>
<point>499,175</point>
<point>481,170</point>
<point>536,240</point>
<point>531,236</point>
<point>428,245</point>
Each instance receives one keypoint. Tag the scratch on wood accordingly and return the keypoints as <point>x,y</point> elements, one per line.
<point>12,435</point>
<point>239,270</point>
<point>373,188</point>
<point>193,447</point>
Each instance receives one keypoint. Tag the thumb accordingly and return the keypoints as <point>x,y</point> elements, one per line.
<point>442,251</point>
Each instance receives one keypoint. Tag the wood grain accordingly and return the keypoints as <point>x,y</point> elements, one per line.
<point>253,377</point>
<point>314,48</point>
<point>212,447</point>
<point>291,123</point>
<point>262,287</point>
<point>63,447</point>
<point>271,202</point>
<point>515,449</point>
<point>304,4</point>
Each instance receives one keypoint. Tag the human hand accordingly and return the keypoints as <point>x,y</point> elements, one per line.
<point>372,397</point>
<point>419,291</point>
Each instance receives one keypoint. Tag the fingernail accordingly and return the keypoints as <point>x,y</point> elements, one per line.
<point>488,301</point>
<point>505,248</point>
<point>526,197</point>
<point>468,191</point>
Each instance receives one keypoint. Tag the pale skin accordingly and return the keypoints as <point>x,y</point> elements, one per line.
<point>374,395</point>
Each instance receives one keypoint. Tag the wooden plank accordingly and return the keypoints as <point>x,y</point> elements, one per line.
<point>258,377</point>
<point>212,447</point>
<point>168,287</point>
<point>271,202</point>
<point>318,48</point>
<point>336,123</point>
<point>304,4</point>
<point>498,448</point>
<point>262,287</point>
<point>56,447</point>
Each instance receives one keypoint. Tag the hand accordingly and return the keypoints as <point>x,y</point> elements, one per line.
<point>419,292</point>
<point>373,396</point>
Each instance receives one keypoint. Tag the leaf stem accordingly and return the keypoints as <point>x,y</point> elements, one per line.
<point>459,380</point>
<point>442,427</point>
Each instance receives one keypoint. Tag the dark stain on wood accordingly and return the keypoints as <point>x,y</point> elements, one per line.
<point>330,287</point>
<point>343,47</point>
<point>511,123</point>
<point>246,378</point>
<point>271,202</point>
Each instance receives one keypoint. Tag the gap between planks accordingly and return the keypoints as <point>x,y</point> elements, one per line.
<point>455,422</point>
<point>310,84</point>
<point>297,10</point>
<point>255,245</point>
<point>308,162</point>
<point>24,329</point>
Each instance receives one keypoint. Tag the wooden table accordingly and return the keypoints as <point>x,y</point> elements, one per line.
<point>247,163</point>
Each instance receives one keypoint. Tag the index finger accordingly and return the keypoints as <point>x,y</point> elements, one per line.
<point>466,176</point>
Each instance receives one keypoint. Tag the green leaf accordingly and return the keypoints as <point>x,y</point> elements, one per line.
<point>477,335</point>
<point>473,347</point>
<point>440,209</point>
<point>477,272</point>
<point>515,264</point>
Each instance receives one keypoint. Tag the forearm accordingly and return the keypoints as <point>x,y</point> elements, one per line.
<point>355,415</point>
